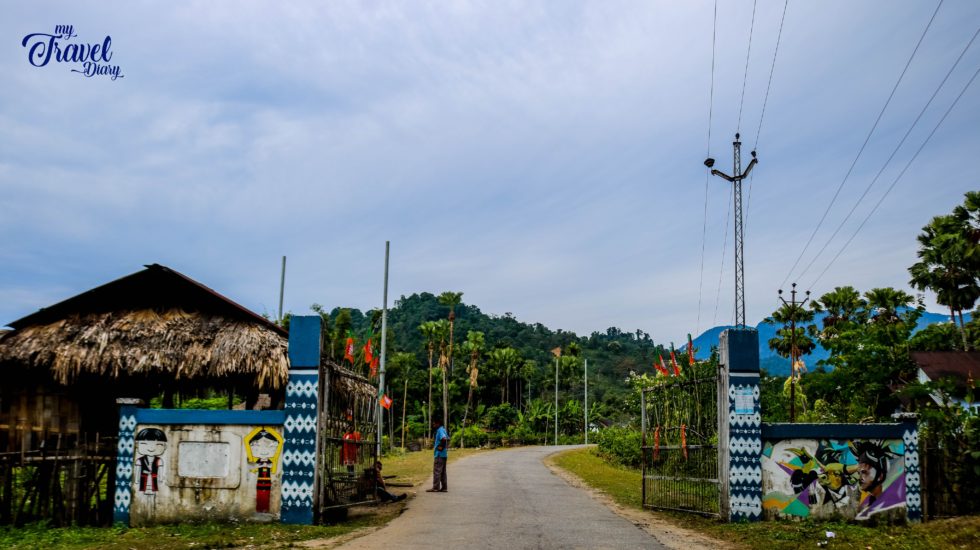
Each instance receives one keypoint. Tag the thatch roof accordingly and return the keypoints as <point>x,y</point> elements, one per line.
<point>154,324</point>
<point>175,344</point>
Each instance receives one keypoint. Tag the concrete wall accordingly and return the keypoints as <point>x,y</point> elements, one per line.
<point>204,472</point>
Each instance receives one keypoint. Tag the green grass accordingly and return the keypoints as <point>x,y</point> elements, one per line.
<point>206,535</point>
<point>623,486</point>
<point>410,467</point>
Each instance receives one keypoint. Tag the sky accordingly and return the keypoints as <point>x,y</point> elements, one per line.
<point>543,158</point>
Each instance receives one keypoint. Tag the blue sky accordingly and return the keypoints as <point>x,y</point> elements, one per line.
<point>544,158</point>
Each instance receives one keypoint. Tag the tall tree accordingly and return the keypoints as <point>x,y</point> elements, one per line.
<point>430,331</point>
<point>474,345</point>
<point>948,261</point>
<point>451,300</point>
<point>442,331</point>
<point>504,362</point>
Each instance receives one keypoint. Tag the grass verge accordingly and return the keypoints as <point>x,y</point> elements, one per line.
<point>412,468</point>
<point>623,486</point>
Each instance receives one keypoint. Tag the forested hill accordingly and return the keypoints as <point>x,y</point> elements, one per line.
<point>612,354</point>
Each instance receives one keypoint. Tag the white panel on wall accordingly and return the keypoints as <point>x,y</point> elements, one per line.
<point>203,459</point>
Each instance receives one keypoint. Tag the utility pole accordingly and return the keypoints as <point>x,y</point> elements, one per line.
<point>794,352</point>
<point>739,228</point>
<point>384,342</point>
<point>586,401</point>
<point>282,288</point>
<point>557,357</point>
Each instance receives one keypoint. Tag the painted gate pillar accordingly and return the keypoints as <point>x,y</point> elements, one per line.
<point>740,426</point>
<point>913,470</point>
<point>300,427</point>
<point>123,493</point>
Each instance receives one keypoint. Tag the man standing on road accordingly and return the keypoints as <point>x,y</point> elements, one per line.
<point>439,484</point>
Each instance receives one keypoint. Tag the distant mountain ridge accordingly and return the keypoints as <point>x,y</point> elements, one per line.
<point>776,365</point>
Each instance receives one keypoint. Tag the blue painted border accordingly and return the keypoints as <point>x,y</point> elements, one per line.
<point>219,417</point>
<point>832,431</point>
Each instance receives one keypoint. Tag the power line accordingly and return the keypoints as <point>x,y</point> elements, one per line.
<point>707,172</point>
<point>746,76</point>
<point>861,150</point>
<point>765,101</point>
<point>894,152</point>
<point>897,178</point>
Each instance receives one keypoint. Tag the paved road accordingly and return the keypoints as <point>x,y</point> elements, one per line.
<point>508,500</point>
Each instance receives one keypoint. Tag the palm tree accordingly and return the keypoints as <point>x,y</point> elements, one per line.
<point>474,346</point>
<point>948,261</point>
<point>843,305</point>
<point>442,332</point>
<point>504,361</point>
<point>429,331</point>
<point>451,299</point>
<point>885,302</point>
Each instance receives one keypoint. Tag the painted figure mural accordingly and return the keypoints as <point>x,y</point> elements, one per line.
<point>833,477</point>
<point>263,446</point>
<point>151,443</point>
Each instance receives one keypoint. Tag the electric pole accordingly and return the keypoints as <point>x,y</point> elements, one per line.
<point>794,351</point>
<point>739,235</point>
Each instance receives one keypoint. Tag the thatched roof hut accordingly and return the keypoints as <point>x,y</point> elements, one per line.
<point>150,333</point>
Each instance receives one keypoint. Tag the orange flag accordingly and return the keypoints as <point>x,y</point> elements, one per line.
<point>367,352</point>
<point>349,350</point>
<point>660,367</point>
<point>690,351</point>
<point>673,362</point>
<point>374,367</point>
<point>386,401</point>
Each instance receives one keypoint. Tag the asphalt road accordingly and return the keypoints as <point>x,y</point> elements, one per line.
<point>508,500</point>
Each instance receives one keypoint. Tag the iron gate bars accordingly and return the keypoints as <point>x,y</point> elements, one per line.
<point>680,446</point>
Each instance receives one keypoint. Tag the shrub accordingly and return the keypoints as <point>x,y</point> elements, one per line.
<point>620,445</point>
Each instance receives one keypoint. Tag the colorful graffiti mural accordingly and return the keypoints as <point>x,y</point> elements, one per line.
<point>827,477</point>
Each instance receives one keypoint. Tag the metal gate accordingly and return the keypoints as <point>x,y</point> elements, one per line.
<point>680,446</point>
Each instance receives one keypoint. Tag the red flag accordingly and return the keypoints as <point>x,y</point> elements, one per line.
<point>349,350</point>
<point>673,362</point>
<point>374,367</point>
<point>690,351</point>
<point>660,367</point>
<point>367,352</point>
<point>386,401</point>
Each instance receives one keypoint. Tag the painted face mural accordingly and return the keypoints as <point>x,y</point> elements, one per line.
<point>831,477</point>
<point>151,443</point>
<point>263,446</point>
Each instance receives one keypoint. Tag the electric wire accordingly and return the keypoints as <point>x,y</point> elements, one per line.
<point>745,78</point>
<point>863,146</point>
<point>707,172</point>
<point>765,101</point>
<point>894,152</point>
<point>897,178</point>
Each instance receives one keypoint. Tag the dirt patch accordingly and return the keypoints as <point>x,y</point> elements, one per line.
<point>667,533</point>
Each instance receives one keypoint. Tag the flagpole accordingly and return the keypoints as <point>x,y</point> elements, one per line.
<point>586,401</point>
<point>384,341</point>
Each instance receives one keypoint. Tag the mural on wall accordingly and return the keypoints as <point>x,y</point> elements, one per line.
<point>263,446</point>
<point>859,478</point>
<point>151,443</point>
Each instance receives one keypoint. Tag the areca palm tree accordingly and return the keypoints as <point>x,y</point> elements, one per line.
<point>451,299</point>
<point>442,331</point>
<point>504,361</point>
<point>473,346</point>
<point>430,331</point>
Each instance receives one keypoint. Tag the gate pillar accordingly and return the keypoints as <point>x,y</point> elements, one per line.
<point>740,426</point>
<point>299,448</point>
